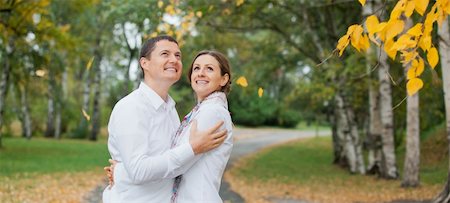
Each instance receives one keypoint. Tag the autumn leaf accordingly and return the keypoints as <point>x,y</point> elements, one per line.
<point>433,57</point>
<point>239,2</point>
<point>160,4</point>
<point>199,14</point>
<point>40,73</point>
<point>394,28</point>
<point>388,49</point>
<point>420,6</point>
<point>342,44</point>
<point>260,92</point>
<point>362,2</point>
<point>409,8</point>
<point>89,64</point>
<point>88,118</point>
<point>242,81</point>
<point>416,30</point>
<point>413,86</point>
<point>372,24</point>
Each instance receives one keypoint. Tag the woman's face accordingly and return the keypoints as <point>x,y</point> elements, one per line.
<point>206,77</point>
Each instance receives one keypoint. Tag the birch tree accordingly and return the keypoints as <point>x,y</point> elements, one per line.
<point>444,51</point>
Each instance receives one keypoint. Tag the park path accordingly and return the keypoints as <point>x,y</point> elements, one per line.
<point>247,141</point>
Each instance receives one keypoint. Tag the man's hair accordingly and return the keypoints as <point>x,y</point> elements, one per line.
<point>149,46</point>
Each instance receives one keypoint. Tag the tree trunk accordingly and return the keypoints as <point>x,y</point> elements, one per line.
<point>373,137</point>
<point>25,110</point>
<point>348,135</point>
<point>389,168</point>
<point>412,158</point>
<point>96,107</point>
<point>3,90</point>
<point>59,102</point>
<point>444,50</point>
<point>348,156</point>
<point>49,131</point>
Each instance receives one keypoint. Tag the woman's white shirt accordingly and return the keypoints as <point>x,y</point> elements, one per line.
<point>201,183</point>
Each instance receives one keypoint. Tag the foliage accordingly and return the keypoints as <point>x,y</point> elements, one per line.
<point>391,35</point>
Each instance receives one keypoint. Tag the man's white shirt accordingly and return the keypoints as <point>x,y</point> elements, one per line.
<point>140,130</point>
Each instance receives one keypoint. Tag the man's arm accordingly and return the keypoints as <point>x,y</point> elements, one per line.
<point>131,136</point>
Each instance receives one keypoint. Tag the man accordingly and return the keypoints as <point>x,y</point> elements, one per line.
<point>141,126</point>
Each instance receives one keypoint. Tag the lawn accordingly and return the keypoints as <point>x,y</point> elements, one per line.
<point>47,170</point>
<point>303,170</point>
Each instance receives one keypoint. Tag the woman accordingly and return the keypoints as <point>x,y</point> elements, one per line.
<point>210,78</point>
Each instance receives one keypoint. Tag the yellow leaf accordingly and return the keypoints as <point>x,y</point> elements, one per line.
<point>362,2</point>
<point>40,73</point>
<point>408,56</point>
<point>372,24</point>
<point>388,49</point>
<point>394,28</point>
<point>364,43</point>
<point>160,4</point>
<point>420,6</point>
<point>239,2</point>
<point>425,42</point>
<point>342,44</point>
<point>88,118</point>
<point>420,67</point>
<point>199,14</point>
<point>398,9</point>
<point>260,92</point>
<point>356,36</point>
<point>416,30</point>
<point>409,9</point>
<point>404,42</point>
<point>411,73</point>
<point>89,64</point>
<point>413,86</point>
<point>433,57</point>
<point>242,81</point>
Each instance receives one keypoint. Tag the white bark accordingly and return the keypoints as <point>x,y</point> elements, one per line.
<point>25,112</point>
<point>374,129</point>
<point>348,133</point>
<point>4,85</point>
<point>412,158</point>
<point>389,167</point>
<point>50,129</point>
<point>444,51</point>
<point>96,105</point>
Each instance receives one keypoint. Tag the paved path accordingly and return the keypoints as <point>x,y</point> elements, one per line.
<point>247,141</point>
<point>250,140</point>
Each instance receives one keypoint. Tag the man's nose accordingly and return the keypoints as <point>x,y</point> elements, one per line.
<point>173,58</point>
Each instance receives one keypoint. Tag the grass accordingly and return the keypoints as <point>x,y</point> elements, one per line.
<point>43,156</point>
<point>303,169</point>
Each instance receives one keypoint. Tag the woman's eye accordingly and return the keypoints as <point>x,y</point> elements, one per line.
<point>178,56</point>
<point>196,68</point>
<point>210,69</point>
<point>164,54</point>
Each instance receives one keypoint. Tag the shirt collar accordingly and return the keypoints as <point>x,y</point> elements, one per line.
<point>154,98</point>
<point>216,97</point>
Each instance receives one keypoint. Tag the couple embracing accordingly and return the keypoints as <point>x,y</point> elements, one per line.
<point>157,158</point>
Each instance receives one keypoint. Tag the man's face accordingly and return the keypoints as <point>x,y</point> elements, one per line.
<point>164,64</point>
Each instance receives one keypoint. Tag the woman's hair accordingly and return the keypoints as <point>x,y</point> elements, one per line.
<point>223,64</point>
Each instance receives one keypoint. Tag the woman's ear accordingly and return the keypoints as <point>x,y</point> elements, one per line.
<point>225,79</point>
